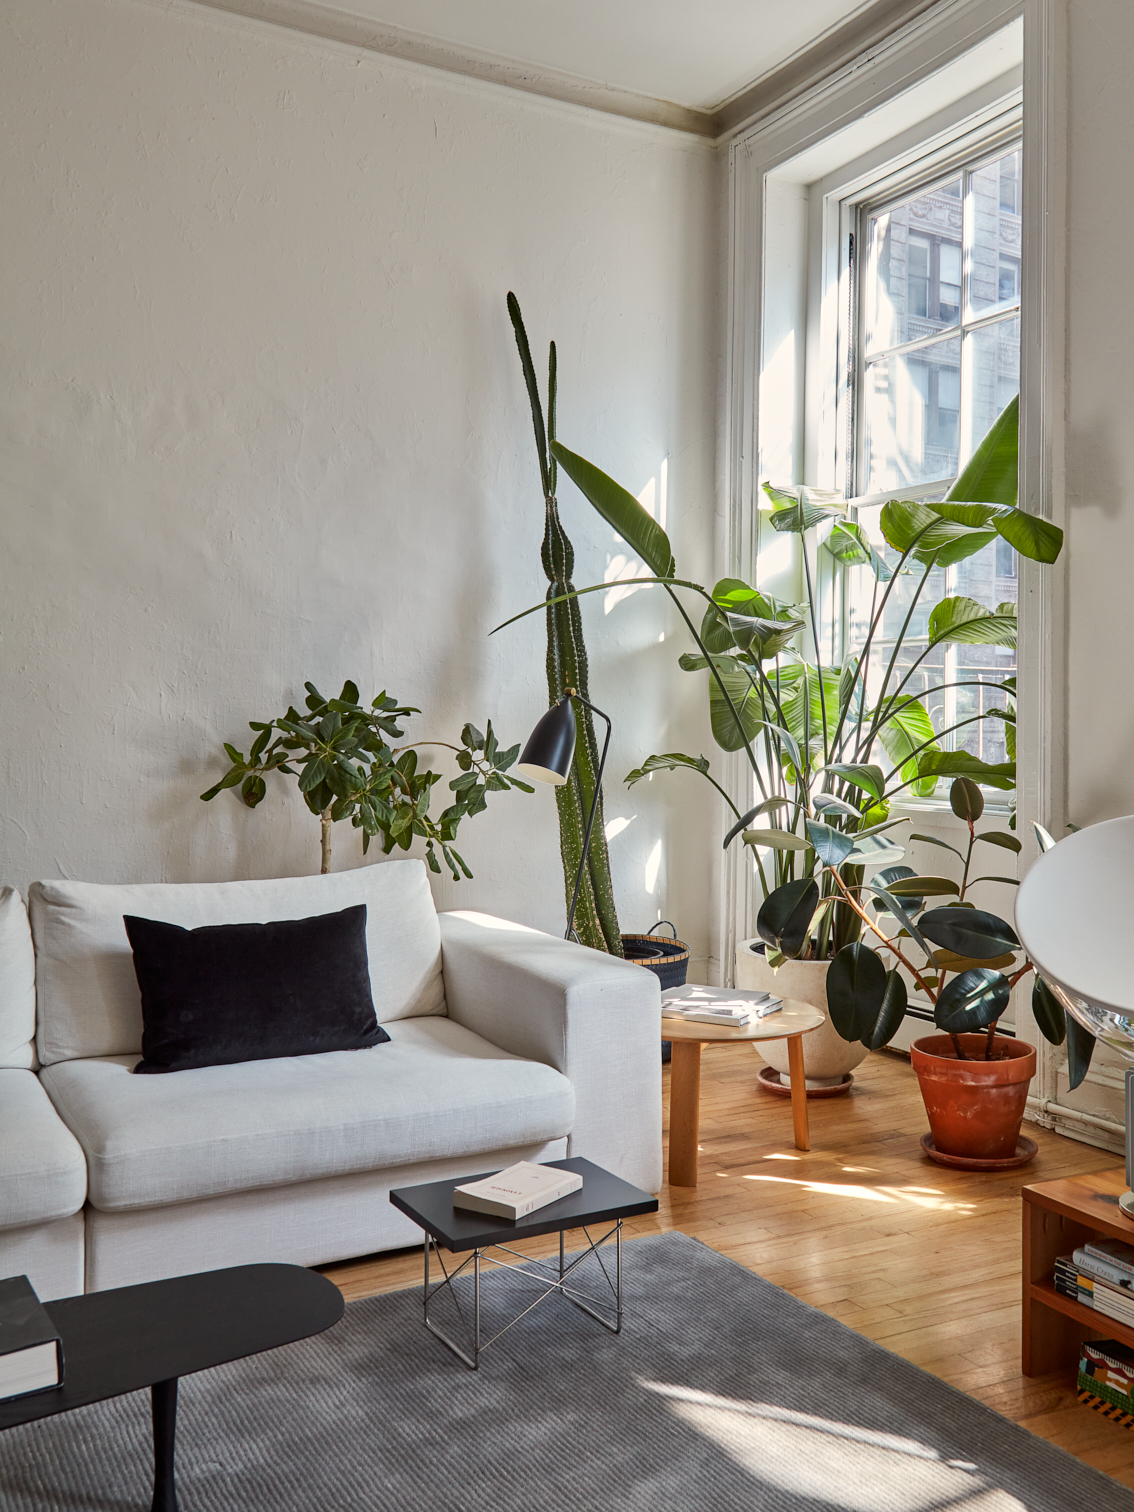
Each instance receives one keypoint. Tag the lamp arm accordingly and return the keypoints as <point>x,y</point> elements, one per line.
<point>591,816</point>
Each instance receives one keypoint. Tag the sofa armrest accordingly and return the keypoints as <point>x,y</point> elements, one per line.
<point>593,1017</point>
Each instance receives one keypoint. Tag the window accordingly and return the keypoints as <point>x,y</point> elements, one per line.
<point>936,332</point>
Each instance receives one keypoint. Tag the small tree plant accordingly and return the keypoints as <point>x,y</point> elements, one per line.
<point>339,752</point>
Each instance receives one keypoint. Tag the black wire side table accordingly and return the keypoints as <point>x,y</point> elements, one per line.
<point>603,1199</point>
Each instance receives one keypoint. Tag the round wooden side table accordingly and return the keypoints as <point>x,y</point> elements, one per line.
<point>792,1022</point>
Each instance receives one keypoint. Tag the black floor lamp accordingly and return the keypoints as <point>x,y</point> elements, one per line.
<point>547,757</point>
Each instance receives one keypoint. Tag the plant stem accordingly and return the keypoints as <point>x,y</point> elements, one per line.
<point>989,1039</point>
<point>325,841</point>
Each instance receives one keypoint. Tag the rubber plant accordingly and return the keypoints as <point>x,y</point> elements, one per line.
<point>596,920</point>
<point>338,750</point>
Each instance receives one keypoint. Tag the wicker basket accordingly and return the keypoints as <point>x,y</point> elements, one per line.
<point>667,959</point>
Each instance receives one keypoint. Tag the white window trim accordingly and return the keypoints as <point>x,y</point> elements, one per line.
<point>909,57</point>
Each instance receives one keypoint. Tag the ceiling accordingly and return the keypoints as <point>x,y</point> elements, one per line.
<point>694,54</point>
<point>704,66</point>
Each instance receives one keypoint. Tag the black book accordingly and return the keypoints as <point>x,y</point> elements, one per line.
<point>31,1351</point>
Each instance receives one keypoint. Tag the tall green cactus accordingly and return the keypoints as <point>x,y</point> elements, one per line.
<point>596,921</point>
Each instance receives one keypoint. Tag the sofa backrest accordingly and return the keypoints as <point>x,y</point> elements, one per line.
<point>17,984</point>
<point>87,996</point>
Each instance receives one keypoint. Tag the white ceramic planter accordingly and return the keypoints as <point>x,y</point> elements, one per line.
<point>827,1057</point>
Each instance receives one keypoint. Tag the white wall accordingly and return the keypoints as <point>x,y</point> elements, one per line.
<point>261,420</point>
<point>1100,403</point>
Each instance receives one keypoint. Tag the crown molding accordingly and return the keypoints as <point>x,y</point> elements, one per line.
<point>829,53</point>
<point>335,25</point>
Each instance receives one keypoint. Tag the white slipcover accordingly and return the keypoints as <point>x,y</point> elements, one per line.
<point>87,994</point>
<point>43,1175</point>
<point>435,1091</point>
<point>17,984</point>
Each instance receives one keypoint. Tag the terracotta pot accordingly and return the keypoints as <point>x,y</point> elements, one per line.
<point>975,1106</point>
<point>827,1057</point>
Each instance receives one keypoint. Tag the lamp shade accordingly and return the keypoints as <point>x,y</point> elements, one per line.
<point>550,749</point>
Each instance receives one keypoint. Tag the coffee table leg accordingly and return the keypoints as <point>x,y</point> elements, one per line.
<point>163,1397</point>
<point>684,1112</point>
<point>798,1091</point>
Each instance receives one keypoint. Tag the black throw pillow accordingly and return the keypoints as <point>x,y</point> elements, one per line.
<point>240,992</point>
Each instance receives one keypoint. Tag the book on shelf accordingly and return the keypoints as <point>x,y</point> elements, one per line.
<point>1112,1252</point>
<point>31,1351</point>
<point>1096,1265</point>
<point>516,1192</point>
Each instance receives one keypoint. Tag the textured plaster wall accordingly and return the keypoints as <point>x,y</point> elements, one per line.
<point>1100,402</point>
<point>261,420</point>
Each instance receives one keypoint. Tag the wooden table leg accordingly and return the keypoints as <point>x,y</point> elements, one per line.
<point>798,1091</point>
<point>684,1111</point>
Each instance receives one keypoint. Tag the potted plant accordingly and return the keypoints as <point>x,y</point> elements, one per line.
<point>338,750</point>
<point>811,731</point>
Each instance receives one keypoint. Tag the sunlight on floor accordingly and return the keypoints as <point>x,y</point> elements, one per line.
<point>921,1197</point>
<point>836,1463</point>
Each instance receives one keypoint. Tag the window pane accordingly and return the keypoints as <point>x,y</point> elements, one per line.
<point>994,276</point>
<point>911,417</point>
<point>994,353</point>
<point>912,281</point>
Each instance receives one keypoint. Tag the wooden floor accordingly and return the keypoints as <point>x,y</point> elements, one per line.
<point>923,1259</point>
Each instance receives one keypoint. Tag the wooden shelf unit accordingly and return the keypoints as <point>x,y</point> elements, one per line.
<point>1059,1216</point>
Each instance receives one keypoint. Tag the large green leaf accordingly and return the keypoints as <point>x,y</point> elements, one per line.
<point>875,847</point>
<point>849,543</point>
<point>619,509</point>
<point>768,805</point>
<point>890,1015</point>
<point>965,622</point>
<point>856,988</point>
<point>972,1000</point>
<point>776,839</point>
<point>827,803</point>
<point>868,777</point>
<point>966,799</point>
<point>991,476</point>
<point>1048,1012</point>
<point>670,762</point>
<point>938,540</point>
<point>886,879</point>
<point>785,915</point>
<point>961,764</point>
<point>906,730</point>
<point>1080,1048</point>
<point>746,705</point>
<point>803,709</point>
<point>831,846</point>
<point>797,509</point>
<point>969,932</point>
<point>1037,539</point>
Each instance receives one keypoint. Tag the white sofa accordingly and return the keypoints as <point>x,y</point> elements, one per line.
<point>505,1044</point>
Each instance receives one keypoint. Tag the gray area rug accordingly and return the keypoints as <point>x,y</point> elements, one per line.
<point>722,1392</point>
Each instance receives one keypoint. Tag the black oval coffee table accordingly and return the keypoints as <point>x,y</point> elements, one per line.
<point>122,1340</point>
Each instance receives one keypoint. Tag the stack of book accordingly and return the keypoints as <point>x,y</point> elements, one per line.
<point>733,1012</point>
<point>31,1351</point>
<point>1106,1379</point>
<point>1100,1274</point>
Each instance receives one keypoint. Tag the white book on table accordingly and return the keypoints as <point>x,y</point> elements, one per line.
<point>705,1016</point>
<point>521,1189</point>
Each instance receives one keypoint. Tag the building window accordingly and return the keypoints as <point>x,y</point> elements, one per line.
<point>936,337</point>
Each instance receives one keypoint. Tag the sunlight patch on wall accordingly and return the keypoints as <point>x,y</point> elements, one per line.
<point>616,826</point>
<point>653,862</point>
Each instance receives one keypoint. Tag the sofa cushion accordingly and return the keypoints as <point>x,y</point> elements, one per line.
<point>17,983</point>
<point>87,994</point>
<point>239,992</point>
<point>43,1175</point>
<point>435,1091</point>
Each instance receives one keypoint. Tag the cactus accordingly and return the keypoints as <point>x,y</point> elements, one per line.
<point>596,921</point>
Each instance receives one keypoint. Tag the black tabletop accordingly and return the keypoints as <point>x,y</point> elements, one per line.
<point>122,1340</point>
<point>602,1198</point>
